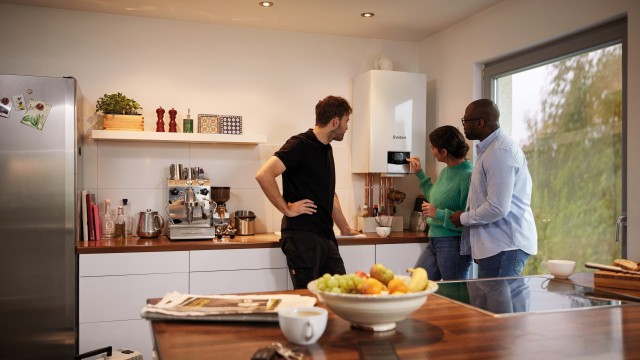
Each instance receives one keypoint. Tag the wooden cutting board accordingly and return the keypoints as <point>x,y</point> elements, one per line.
<point>611,279</point>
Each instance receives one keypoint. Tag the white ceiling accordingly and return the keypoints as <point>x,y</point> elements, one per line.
<point>406,20</point>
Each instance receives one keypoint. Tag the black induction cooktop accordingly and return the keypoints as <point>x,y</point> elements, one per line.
<point>529,294</point>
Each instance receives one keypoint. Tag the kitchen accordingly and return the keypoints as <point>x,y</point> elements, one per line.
<point>272,78</point>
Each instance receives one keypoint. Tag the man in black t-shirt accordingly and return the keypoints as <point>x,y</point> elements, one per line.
<point>309,201</point>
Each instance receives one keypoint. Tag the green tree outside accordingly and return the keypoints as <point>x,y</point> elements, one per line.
<point>574,151</point>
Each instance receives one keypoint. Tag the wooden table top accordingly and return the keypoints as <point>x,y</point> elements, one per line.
<point>441,329</point>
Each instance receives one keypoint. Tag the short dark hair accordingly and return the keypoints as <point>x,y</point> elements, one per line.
<point>331,107</point>
<point>451,139</point>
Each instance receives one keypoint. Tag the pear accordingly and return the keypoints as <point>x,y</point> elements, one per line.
<point>381,273</point>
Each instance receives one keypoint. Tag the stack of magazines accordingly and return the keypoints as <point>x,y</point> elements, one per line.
<point>177,306</point>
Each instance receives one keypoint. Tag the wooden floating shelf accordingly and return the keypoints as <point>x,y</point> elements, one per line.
<point>119,135</point>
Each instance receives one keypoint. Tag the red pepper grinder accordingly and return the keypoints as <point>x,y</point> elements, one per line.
<point>160,122</point>
<point>172,123</point>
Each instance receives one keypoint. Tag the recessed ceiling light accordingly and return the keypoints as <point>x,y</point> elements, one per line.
<point>367,14</point>
<point>265,3</point>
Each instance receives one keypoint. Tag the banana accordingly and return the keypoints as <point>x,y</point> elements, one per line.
<point>419,279</point>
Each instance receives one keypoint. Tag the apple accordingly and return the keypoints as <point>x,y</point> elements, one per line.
<point>361,274</point>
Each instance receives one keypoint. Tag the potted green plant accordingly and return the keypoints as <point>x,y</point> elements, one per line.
<point>120,112</point>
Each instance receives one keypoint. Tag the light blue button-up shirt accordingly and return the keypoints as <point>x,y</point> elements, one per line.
<point>498,215</point>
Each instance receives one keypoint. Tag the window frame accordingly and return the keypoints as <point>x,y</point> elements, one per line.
<point>597,37</point>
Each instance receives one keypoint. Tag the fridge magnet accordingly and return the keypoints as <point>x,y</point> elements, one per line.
<point>5,107</point>
<point>36,114</point>
<point>18,100</point>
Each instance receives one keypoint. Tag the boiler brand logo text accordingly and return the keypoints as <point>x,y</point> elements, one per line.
<point>399,137</point>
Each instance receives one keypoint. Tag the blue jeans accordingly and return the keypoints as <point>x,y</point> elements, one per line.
<point>443,261</point>
<point>503,264</point>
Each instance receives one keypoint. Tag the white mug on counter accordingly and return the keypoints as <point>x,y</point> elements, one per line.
<point>560,269</point>
<point>303,325</point>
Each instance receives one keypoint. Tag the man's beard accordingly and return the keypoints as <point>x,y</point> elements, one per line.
<point>336,135</point>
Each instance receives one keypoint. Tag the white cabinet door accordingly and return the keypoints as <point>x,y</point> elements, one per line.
<point>108,298</point>
<point>113,288</point>
<point>239,281</point>
<point>358,257</point>
<point>131,334</point>
<point>399,257</point>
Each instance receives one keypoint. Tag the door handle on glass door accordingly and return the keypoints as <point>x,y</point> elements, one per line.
<point>621,219</point>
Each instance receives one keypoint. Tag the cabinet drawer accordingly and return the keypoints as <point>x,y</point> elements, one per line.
<point>134,263</point>
<point>109,298</point>
<point>237,259</point>
<point>358,257</point>
<point>241,281</point>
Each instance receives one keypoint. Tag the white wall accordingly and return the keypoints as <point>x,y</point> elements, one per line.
<point>272,78</point>
<point>452,59</point>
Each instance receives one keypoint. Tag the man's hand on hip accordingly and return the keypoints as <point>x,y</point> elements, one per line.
<point>305,206</point>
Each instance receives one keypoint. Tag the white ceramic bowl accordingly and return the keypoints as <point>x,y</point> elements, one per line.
<point>383,231</point>
<point>374,312</point>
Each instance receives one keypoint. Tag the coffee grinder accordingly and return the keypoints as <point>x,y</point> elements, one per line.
<point>189,205</point>
<point>220,217</point>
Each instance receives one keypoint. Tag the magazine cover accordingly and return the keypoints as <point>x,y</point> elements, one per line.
<point>223,307</point>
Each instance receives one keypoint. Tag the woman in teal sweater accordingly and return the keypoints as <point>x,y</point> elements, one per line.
<point>446,256</point>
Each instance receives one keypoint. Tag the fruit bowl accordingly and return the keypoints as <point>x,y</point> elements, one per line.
<point>374,312</point>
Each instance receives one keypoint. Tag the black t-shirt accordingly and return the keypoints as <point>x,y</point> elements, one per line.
<point>310,174</point>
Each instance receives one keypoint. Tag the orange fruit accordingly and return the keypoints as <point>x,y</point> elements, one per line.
<point>397,286</point>
<point>371,286</point>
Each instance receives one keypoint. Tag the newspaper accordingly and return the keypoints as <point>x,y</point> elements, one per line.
<point>177,306</point>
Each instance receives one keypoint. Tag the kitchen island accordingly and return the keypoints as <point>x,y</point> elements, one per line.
<point>441,329</point>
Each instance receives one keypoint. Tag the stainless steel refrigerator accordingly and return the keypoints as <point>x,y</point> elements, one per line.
<point>39,216</point>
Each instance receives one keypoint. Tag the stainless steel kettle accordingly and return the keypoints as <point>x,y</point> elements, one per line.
<point>149,224</point>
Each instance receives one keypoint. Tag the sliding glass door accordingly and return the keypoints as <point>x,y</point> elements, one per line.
<point>564,103</point>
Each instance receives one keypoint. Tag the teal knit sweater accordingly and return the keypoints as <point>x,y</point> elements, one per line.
<point>448,195</point>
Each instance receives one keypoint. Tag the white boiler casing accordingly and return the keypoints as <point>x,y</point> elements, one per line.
<point>388,121</point>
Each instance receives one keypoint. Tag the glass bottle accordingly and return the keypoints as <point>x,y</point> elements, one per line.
<point>108,222</point>
<point>120,223</point>
<point>128,220</point>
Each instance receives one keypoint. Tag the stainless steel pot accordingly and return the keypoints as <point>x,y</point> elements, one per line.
<point>149,224</point>
<point>244,222</point>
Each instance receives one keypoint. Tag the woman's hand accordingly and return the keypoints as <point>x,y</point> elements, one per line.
<point>429,210</point>
<point>414,164</point>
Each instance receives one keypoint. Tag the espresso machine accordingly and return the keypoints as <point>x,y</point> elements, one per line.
<point>189,206</point>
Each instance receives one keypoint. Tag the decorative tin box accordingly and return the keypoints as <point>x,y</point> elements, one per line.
<point>208,124</point>
<point>230,124</point>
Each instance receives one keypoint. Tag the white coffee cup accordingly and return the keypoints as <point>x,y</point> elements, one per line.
<point>303,325</point>
<point>383,231</point>
<point>560,269</point>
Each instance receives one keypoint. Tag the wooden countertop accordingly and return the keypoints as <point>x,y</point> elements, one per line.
<point>441,329</point>
<point>270,240</point>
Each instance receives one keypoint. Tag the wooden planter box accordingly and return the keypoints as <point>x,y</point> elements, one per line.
<point>123,122</point>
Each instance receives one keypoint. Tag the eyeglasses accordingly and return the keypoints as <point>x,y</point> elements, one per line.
<point>464,121</point>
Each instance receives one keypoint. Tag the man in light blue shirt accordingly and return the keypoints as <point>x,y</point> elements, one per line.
<point>498,221</point>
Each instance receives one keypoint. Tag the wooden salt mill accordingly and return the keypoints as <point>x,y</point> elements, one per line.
<point>172,123</point>
<point>160,122</point>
